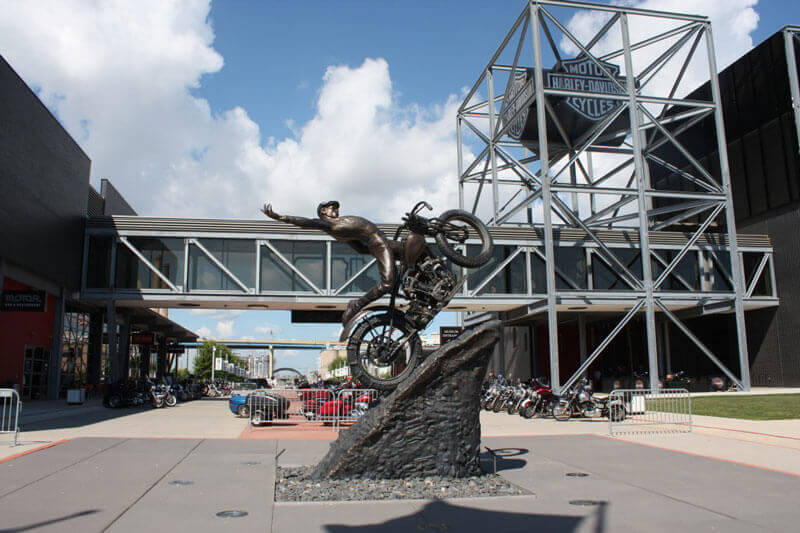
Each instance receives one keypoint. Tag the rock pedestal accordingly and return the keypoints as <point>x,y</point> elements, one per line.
<point>428,426</point>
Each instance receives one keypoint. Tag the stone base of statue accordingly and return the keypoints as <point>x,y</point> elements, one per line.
<point>428,426</point>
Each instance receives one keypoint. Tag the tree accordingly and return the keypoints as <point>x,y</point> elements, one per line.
<point>339,362</point>
<point>203,361</point>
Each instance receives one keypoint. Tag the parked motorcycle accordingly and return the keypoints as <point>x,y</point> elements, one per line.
<point>579,400</point>
<point>540,401</point>
<point>383,344</point>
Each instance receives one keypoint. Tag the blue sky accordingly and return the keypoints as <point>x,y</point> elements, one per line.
<point>198,108</point>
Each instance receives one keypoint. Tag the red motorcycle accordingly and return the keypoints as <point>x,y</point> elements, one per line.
<point>540,402</point>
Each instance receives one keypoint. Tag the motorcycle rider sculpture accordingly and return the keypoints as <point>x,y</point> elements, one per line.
<point>365,238</point>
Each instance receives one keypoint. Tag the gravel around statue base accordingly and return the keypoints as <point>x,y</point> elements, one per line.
<point>428,426</point>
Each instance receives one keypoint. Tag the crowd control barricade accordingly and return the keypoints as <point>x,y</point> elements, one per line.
<point>9,413</point>
<point>308,405</point>
<point>651,411</point>
<point>351,404</point>
<point>289,405</point>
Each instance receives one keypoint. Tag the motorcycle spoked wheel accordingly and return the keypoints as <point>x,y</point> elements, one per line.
<point>369,345</point>
<point>562,411</point>
<point>458,226</point>
<point>512,408</point>
<point>498,406</point>
<point>530,410</point>
<point>171,400</point>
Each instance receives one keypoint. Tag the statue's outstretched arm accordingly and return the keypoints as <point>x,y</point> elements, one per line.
<point>314,223</point>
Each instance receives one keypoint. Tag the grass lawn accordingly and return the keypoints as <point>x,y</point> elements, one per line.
<point>760,407</point>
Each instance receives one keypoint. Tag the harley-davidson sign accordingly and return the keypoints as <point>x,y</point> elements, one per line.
<point>577,114</point>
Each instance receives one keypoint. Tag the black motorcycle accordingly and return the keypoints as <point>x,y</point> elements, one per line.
<point>580,401</point>
<point>383,344</point>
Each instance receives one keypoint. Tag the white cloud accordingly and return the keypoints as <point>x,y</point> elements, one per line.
<point>203,332</point>
<point>119,76</point>
<point>225,329</point>
<point>267,329</point>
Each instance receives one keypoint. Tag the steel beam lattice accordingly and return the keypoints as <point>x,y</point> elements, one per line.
<point>627,165</point>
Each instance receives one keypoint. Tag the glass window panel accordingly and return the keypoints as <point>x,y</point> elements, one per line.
<point>751,261</point>
<point>605,278</point>
<point>539,274</point>
<point>307,257</point>
<point>721,282</point>
<point>238,256</point>
<point>99,263</point>
<point>688,269</point>
<point>572,262</point>
<point>346,262</point>
<point>165,254</point>
<point>511,280</point>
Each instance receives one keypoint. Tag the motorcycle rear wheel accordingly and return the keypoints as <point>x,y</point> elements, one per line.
<point>473,228</point>
<point>369,344</point>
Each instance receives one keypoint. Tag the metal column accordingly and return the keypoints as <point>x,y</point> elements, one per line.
<point>544,162</point>
<point>644,226</point>
<point>54,372</point>
<point>94,360</point>
<point>124,355</point>
<point>111,328</point>
<point>730,219</point>
<point>144,361</point>
<point>794,84</point>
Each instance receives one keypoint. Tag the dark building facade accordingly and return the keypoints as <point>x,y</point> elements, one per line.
<point>761,128</point>
<point>50,339</point>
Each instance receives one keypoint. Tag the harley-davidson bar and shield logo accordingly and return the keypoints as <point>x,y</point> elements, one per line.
<point>577,114</point>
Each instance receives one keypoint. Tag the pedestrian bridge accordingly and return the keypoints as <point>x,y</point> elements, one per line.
<point>245,264</point>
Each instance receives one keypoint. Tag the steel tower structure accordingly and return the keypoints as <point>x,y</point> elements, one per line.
<point>575,124</point>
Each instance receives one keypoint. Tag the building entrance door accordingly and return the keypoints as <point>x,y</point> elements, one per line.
<point>35,372</point>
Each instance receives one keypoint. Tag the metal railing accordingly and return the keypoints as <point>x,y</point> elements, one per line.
<point>10,406</point>
<point>353,403</point>
<point>308,405</point>
<point>652,411</point>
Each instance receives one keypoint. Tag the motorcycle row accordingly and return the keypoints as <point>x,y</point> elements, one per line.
<point>535,399</point>
<point>137,393</point>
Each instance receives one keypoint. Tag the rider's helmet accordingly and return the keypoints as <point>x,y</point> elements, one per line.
<point>323,205</point>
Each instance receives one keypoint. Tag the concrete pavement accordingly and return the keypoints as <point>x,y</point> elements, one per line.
<point>121,485</point>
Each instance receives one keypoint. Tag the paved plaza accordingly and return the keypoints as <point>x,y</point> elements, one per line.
<point>94,469</point>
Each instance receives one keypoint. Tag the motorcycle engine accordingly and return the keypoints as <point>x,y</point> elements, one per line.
<point>427,287</point>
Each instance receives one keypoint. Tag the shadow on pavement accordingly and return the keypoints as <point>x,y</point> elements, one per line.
<point>440,516</point>
<point>502,459</point>
<point>49,522</point>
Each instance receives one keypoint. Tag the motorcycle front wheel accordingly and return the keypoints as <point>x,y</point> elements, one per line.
<point>457,227</point>
<point>383,350</point>
<point>562,411</point>
<point>170,400</point>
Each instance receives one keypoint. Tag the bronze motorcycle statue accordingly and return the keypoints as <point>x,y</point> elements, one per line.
<point>383,344</point>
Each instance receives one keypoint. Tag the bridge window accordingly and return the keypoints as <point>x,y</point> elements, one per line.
<point>686,273</point>
<point>606,279</point>
<point>164,254</point>
<point>99,264</point>
<point>238,256</point>
<point>510,280</point>
<point>307,257</point>
<point>345,263</point>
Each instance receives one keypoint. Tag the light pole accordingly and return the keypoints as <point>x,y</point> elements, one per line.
<point>213,361</point>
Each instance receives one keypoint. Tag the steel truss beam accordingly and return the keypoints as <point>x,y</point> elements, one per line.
<point>543,177</point>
